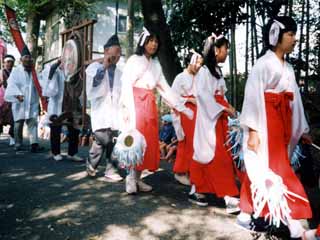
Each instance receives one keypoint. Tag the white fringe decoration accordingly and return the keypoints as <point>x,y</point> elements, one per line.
<point>268,190</point>
<point>129,149</point>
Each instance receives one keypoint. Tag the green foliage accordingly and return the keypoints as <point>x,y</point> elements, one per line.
<point>192,21</point>
<point>73,11</point>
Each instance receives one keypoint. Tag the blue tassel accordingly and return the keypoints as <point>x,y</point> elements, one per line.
<point>297,156</point>
<point>235,140</point>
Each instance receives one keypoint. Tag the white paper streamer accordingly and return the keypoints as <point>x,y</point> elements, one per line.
<point>145,33</point>
<point>274,32</point>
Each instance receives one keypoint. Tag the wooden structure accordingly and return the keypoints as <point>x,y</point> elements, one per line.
<point>77,43</point>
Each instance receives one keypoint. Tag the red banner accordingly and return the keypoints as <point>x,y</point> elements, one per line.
<point>16,35</point>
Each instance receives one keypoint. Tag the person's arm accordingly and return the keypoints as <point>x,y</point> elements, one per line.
<point>171,98</point>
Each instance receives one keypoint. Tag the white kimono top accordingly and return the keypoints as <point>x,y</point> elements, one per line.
<point>20,83</point>
<point>142,72</point>
<point>54,89</point>
<point>270,75</point>
<point>208,112</point>
<point>183,85</point>
<point>105,105</point>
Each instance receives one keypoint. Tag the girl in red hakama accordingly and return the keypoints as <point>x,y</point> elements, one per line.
<point>273,121</point>
<point>211,170</point>
<point>142,74</point>
<point>184,86</point>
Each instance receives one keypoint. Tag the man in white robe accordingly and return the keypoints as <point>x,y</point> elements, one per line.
<point>21,92</point>
<point>103,92</point>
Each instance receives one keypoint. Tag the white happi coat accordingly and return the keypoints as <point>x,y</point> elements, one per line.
<point>20,83</point>
<point>54,90</point>
<point>105,108</point>
<point>142,72</point>
<point>183,85</point>
<point>208,112</point>
<point>270,75</point>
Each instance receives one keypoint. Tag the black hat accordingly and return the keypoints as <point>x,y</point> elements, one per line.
<point>113,41</point>
<point>8,57</point>
<point>25,51</point>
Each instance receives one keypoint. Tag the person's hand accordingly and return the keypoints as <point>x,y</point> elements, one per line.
<point>189,113</point>
<point>192,100</point>
<point>306,138</point>
<point>20,98</point>
<point>231,111</point>
<point>253,141</point>
<point>106,61</point>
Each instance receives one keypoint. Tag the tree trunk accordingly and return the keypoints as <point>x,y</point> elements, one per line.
<point>306,80</point>
<point>32,29</point>
<point>234,59</point>
<point>130,28</point>
<point>300,44</point>
<point>254,26</point>
<point>253,22</point>
<point>231,67</point>
<point>155,21</point>
<point>247,43</point>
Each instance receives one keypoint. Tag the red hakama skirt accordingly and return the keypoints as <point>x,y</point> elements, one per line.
<point>279,133</point>
<point>185,147</point>
<point>218,175</point>
<point>147,124</point>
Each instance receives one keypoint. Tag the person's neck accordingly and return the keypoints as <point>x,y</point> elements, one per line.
<point>190,71</point>
<point>148,56</point>
<point>280,54</point>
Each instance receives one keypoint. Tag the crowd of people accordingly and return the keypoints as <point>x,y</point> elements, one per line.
<point>196,130</point>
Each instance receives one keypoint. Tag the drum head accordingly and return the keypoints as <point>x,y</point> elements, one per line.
<point>70,58</point>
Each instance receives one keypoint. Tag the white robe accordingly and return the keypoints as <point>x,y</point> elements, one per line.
<point>270,75</point>
<point>20,83</point>
<point>183,85</point>
<point>105,108</point>
<point>143,73</point>
<point>208,112</point>
<point>54,90</point>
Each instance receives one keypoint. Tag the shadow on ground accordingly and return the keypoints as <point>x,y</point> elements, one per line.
<point>44,199</point>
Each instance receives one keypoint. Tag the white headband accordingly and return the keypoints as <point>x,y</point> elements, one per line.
<point>274,32</point>
<point>194,57</point>
<point>8,58</point>
<point>145,33</point>
<point>213,35</point>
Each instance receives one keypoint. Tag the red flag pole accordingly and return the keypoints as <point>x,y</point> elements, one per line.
<point>16,35</point>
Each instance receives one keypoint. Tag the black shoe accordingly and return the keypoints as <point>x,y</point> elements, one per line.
<point>252,226</point>
<point>198,199</point>
<point>35,148</point>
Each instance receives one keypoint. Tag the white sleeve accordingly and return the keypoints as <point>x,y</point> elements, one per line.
<point>98,91</point>
<point>127,107</point>
<point>205,96</point>
<point>13,89</point>
<point>171,98</point>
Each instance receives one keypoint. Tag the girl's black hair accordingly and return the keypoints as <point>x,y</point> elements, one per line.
<point>289,24</point>
<point>209,53</point>
<point>140,49</point>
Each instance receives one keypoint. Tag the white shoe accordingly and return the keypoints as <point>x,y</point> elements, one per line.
<point>232,204</point>
<point>57,157</point>
<point>183,179</point>
<point>12,141</point>
<point>131,185</point>
<point>112,177</point>
<point>310,235</point>
<point>143,187</point>
<point>75,158</point>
